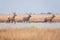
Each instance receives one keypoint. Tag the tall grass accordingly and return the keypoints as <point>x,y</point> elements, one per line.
<point>32,33</point>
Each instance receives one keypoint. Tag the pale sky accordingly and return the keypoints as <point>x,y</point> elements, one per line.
<point>33,6</point>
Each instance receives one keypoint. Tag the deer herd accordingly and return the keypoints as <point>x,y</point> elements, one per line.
<point>26,19</point>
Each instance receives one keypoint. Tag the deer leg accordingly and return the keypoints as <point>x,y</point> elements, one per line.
<point>45,20</point>
<point>50,20</point>
<point>25,21</point>
<point>28,21</point>
<point>11,20</point>
<point>14,21</point>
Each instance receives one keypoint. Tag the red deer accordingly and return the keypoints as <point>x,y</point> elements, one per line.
<point>26,19</point>
<point>12,19</point>
<point>49,19</point>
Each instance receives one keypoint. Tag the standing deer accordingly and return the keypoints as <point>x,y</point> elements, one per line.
<point>12,19</point>
<point>26,19</point>
<point>49,19</point>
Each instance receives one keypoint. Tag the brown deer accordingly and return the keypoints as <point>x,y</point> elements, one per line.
<point>26,19</point>
<point>49,19</point>
<point>12,19</point>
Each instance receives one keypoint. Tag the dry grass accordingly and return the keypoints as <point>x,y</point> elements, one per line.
<point>31,33</point>
<point>33,18</point>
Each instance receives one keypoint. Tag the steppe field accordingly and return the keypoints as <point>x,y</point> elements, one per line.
<point>38,18</point>
<point>30,33</point>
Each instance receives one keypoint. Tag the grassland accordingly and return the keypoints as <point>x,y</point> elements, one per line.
<point>31,33</point>
<point>38,18</point>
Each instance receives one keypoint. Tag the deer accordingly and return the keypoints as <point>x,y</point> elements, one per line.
<point>12,19</point>
<point>49,19</point>
<point>26,19</point>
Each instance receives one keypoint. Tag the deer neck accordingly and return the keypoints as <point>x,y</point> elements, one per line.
<point>13,16</point>
<point>29,17</point>
<point>52,17</point>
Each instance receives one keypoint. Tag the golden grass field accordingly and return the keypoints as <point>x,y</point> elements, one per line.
<point>31,33</point>
<point>37,17</point>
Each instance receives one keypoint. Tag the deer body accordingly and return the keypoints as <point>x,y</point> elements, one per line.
<point>26,19</point>
<point>49,19</point>
<point>12,19</point>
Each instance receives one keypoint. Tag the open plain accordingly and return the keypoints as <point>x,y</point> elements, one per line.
<point>30,33</point>
<point>34,18</point>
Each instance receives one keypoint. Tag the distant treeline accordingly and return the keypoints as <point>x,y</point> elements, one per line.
<point>31,13</point>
